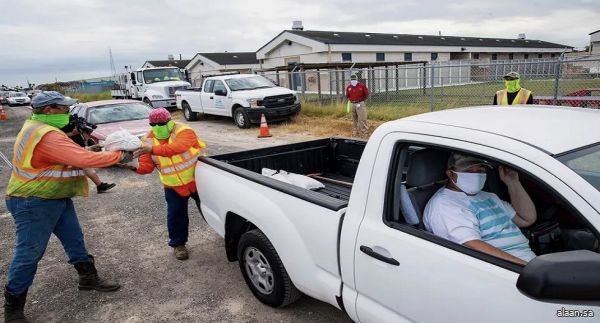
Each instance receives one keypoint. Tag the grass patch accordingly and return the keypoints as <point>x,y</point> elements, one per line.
<point>380,112</point>
<point>87,97</point>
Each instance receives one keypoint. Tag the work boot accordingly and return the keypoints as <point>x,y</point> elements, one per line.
<point>14,307</point>
<point>89,280</point>
<point>181,252</point>
<point>103,187</point>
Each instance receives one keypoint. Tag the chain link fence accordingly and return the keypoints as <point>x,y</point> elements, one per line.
<point>573,81</point>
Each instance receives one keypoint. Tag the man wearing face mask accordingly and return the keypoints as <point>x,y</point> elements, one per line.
<point>357,93</point>
<point>462,213</point>
<point>172,148</point>
<point>47,172</point>
<point>513,93</point>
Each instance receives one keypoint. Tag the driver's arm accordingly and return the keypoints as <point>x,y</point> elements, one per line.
<point>493,251</point>
<point>519,199</point>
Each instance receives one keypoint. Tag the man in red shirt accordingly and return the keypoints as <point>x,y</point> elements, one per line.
<point>357,93</point>
<point>172,148</point>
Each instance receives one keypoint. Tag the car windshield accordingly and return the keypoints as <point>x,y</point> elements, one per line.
<point>17,94</point>
<point>248,83</point>
<point>586,163</point>
<point>162,75</point>
<point>118,112</point>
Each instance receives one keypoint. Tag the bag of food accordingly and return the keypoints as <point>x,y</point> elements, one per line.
<point>294,179</point>
<point>122,140</point>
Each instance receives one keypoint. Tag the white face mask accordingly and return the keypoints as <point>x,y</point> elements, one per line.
<point>470,183</point>
<point>354,82</point>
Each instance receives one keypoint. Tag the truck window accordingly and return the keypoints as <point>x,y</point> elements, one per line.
<point>219,86</point>
<point>418,172</point>
<point>208,86</point>
<point>139,78</point>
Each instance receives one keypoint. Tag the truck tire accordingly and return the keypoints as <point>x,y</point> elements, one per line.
<point>264,272</point>
<point>188,114</point>
<point>240,117</point>
<point>147,101</point>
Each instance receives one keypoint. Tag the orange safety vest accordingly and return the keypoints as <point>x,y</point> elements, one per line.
<point>53,182</point>
<point>177,170</point>
<point>521,98</point>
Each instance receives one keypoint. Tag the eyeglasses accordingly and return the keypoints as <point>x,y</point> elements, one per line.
<point>153,124</point>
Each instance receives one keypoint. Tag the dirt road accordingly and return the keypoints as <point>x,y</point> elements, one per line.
<point>125,230</point>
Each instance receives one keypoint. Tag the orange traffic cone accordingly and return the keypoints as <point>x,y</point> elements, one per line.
<point>3,115</point>
<point>264,128</point>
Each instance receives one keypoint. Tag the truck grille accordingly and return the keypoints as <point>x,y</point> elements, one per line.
<point>277,101</point>
<point>172,90</point>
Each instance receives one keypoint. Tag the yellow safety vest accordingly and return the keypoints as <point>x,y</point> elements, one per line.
<point>176,170</point>
<point>53,182</point>
<point>521,98</point>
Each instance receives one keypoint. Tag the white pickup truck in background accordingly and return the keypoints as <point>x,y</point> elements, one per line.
<point>354,245</point>
<point>244,97</point>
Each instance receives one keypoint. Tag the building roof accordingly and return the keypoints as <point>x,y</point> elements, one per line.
<point>363,38</point>
<point>232,58</point>
<point>167,63</point>
<point>541,126</point>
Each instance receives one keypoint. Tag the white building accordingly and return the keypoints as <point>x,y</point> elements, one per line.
<point>327,47</point>
<point>206,64</point>
<point>595,43</point>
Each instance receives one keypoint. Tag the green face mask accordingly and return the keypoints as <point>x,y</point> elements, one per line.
<point>55,120</point>
<point>513,86</point>
<point>163,132</point>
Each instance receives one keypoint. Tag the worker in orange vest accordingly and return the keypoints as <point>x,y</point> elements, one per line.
<point>172,148</point>
<point>513,93</point>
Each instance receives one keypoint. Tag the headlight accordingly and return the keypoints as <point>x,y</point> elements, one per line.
<point>254,103</point>
<point>156,96</point>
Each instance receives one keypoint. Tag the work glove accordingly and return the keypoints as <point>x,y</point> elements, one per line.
<point>126,157</point>
<point>95,148</point>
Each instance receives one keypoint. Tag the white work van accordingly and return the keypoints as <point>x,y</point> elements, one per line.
<point>359,242</point>
<point>244,97</point>
<point>155,86</point>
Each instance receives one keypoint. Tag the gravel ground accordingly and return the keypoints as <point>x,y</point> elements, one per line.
<point>125,230</point>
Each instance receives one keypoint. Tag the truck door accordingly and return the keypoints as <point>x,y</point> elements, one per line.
<point>404,273</point>
<point>139,86</point>
<point>208,97</point>
<point>222,103</point>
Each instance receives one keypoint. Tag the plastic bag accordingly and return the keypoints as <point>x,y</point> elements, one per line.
<point>294,179</point>
<point>122,140</point>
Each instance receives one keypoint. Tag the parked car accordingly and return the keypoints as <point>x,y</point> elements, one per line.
<point>113,115</point>
<point>244,97</point>
<point>4,97</point>
<point>351,243</point>
<point>18,98</point>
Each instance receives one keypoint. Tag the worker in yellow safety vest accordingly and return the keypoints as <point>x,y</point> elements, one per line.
<point>47,172</point>
<point>513,93</point>
<point>172,148</point>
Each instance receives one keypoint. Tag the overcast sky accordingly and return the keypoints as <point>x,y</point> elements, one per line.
<point>41,41</point>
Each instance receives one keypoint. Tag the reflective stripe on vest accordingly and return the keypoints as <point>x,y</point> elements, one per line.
<point>53,182</point>
<point>520,98</point>
<point>179,169</point>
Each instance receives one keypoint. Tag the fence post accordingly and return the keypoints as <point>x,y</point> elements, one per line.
<point>557,70</point>
<point>424,79</point>
<point>319,84</point>
<point>431,86</point>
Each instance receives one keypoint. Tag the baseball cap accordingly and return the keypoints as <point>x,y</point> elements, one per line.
<point>513,75</point>
<point>46,98</point>
<point>461,162</point>
<point>353,77</point>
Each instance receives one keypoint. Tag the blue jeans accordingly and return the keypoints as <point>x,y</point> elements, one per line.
<point>177,216</point>
<point>35,220</point>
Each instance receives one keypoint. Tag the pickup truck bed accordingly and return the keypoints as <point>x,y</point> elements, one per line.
<point>333,160</point>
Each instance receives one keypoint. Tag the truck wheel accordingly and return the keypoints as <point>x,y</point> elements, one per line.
<point>264,272</point>
<point>188,114</point>
<point>147,101</point>
<point>241,119</point>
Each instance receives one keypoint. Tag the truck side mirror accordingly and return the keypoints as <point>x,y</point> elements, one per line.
<point>564,276</point>
<point>220,93</point>
<point>133,78</point>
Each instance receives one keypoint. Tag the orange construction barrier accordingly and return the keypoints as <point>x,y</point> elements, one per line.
<point>264,128</point>
<point>3,115</point>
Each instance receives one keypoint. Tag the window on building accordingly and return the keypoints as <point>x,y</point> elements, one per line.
<point>494,57</point>
<point>434,56</point>
<point>475,55</point>
<point>346,57</point>
<point>380,57</point>
<point>526,56</point>
<point>511,56</point>
<point>540,55</point>
<point>408,57</point>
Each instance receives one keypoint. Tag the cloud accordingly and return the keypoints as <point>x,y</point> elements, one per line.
<point>69,38</point>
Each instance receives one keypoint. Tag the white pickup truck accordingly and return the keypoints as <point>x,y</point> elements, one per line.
<point>244,97</point>
<point>353,243</point>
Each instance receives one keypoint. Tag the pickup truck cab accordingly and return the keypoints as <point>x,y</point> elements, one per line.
<point>355,245</point>
<point>244,97</point>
